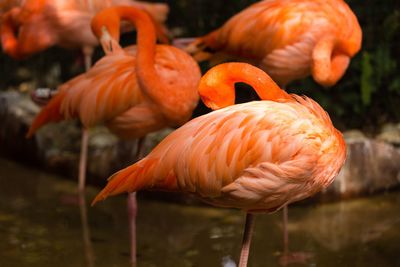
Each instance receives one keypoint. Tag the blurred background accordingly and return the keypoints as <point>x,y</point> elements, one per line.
<point>366,98</point>
<point>357,225</point>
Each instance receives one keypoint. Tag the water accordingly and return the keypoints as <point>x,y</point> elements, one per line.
<point>41,225</point>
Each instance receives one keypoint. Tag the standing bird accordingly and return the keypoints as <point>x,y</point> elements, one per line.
<point>31,26</point>
<point>257,156</point>
<point>288,39</point>
<point>133,91</point>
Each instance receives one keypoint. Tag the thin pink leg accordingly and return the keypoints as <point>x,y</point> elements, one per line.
<point>87,243</point>
<point>133,207</point>
<point>247,235</point>
<point>140,148</point>
<point>87,52</point>
<point>132,212</point>
<point>83,160</point>
<point>285,230</point>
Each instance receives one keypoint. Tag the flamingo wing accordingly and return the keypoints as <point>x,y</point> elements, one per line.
<point>110,88</point>
<point>279,36</point>
<point>257,156</point>
<point>106,90</point>
<point>136,122</point>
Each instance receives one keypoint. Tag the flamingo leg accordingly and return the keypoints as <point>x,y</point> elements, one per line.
<point>86,230</point>
<point>132,213</point>
<point>247,235</point>
<point>87,52</point>
<point>285,230</point>
<point>83,160</point>
<point>133,207</point>
<point>140,148</point>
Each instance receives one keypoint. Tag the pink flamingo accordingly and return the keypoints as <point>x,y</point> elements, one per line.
<point>133,91</point>
<point>258,156</point>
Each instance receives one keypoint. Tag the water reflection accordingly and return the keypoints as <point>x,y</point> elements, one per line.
<point>87,243</point>
<point>350,223</point>
<point>43,223</point>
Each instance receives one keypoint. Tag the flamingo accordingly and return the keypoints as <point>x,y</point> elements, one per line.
<point>257,156</point>
<point>43,23</point>
<point>133,91</point>
<point>288,39</point>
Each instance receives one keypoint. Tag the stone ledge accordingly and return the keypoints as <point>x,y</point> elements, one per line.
<point>372,165</point>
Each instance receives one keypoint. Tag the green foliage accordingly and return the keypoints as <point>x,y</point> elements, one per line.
<point>366,83</point>
<point>380,79</point>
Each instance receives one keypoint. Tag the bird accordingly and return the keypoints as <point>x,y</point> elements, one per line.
<point>31,26</point>
<point>288,39</point>
<point>133,91</point>
<point>137,78</point>
<point>257,156</point>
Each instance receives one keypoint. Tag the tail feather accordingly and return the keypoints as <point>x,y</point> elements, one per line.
<point>50,113</point>
<point>130,179</point>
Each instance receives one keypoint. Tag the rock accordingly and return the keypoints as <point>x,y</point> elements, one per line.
<point>353,135</point>
<point>56,146</point>
<point>16,112</point>
<point>371,166</point>
<point>390,133</point>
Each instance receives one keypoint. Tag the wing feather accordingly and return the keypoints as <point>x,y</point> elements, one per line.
<point>266,155</point>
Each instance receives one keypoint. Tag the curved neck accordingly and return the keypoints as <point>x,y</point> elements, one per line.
<point>217,86</point>
<point>149,81</point>
<point>146,36</point>
<point>330,59</point>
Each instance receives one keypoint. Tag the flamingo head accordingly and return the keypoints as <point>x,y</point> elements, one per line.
<point>106,25</point>
<point>215,91</point>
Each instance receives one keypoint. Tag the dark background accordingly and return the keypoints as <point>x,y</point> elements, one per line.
<point>367,97</point>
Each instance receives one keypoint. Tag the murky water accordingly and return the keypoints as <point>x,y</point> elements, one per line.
<point>41,225</point>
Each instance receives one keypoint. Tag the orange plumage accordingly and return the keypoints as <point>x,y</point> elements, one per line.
<point>256,156</point>
<point>288,39</point>
<point>32,26</point>
<point>133,91</point>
